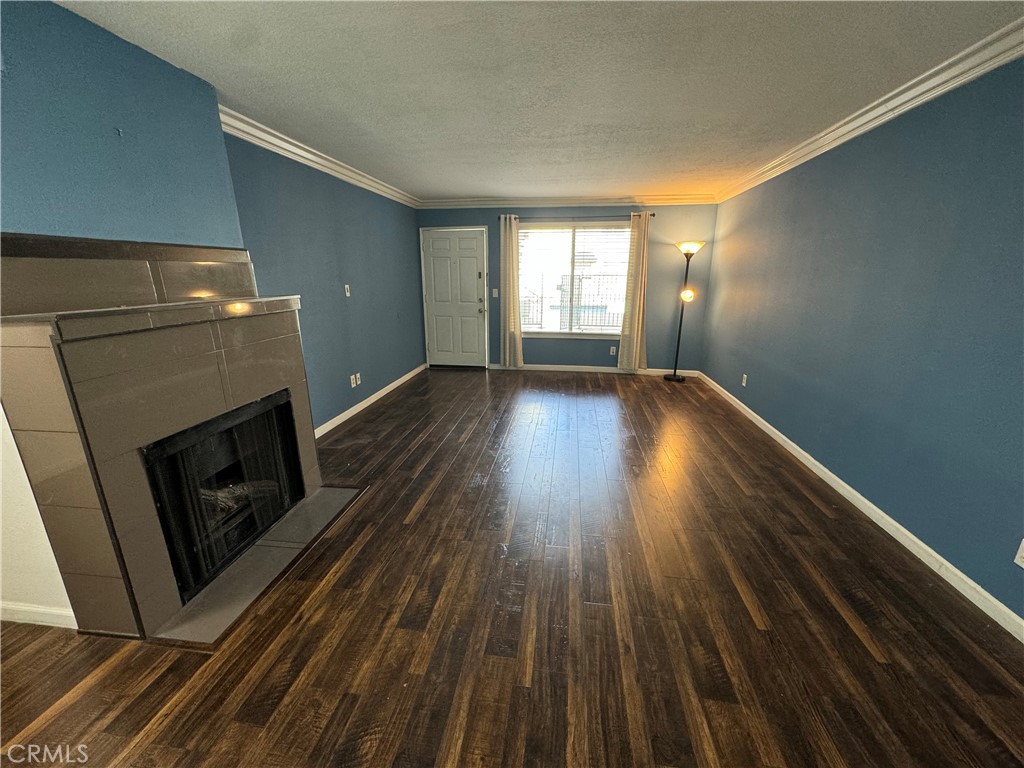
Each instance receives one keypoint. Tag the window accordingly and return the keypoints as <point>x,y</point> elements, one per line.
<point>572,277</point>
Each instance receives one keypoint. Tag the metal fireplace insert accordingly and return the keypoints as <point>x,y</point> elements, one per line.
<point>221,484</point>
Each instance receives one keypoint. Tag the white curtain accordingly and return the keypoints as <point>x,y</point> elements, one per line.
<point>633,343</point>
<point>511,323</point>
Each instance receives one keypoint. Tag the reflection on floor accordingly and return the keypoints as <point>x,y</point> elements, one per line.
<point>549,569</point>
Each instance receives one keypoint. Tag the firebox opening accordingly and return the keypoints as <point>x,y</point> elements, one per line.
<point>221,484</point>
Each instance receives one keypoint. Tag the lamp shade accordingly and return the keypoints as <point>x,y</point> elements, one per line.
<point>690,247</point>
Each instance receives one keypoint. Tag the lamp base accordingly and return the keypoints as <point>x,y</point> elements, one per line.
<point>674,377</point>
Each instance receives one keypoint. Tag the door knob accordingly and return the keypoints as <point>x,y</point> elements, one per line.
<point>480,300</point>
<point>481,310</point>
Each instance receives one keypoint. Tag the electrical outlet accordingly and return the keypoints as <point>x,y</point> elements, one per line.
<point>359,378</point>
<point>611,350</point>
<point>352,380</point>
<point>743,381</point>
<point>494,293</point>
<point>348,290</point>
<point>1019,559</point>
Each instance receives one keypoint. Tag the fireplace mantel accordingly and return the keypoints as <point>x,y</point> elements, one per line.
<point>111,321</point>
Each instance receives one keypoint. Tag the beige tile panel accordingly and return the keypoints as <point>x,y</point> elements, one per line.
<point>15,334</point>
<point>312,479</point>
<point>248,330</point>
<point>80,540</point>
<point>49,246</point>
<point>258,306</point>
<point>93,358</point>
<point>184,280</point>
<point>56,467</point>
<point>133,512</point>
<point>129,498</point>
<point>304,427</point>
<point>137,525</point>
<point>33,390</point>
<point>133,409</point>
<point>259,369</point>
<point>156,610</point>
<point>86,327</point>
<point>280,304</point>
<point>151,575</point>
<point>223,365</point>
<point>235,309</point>
<point>100,604</point>
<point>181,316</point>
<point>52,285</point>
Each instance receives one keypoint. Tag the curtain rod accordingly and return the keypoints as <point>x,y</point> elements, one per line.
<point>578,218</point>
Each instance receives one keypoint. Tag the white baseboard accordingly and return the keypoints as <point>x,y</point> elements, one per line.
<point>998,612</point>
<point>593,369</point>
<point>663,371</point>
<point>27,613</point>
<point>569,368</point>
<point>326,427</point>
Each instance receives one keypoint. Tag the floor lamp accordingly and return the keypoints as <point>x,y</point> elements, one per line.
<point>685,297</point>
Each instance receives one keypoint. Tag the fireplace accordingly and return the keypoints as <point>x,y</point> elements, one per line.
<point>126,344</point>
<point>221,484</point>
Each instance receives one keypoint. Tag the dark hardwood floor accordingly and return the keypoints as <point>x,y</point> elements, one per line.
<point>557,569</point>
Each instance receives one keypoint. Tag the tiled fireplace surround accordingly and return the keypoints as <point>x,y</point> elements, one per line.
<point>108,347</point>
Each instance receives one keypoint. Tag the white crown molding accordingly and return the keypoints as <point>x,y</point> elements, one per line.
<point>1001,47</point>
<point>245,128</point>
<point>969,588</point>
<point>237,124</point>
<point>997,49</point>
<point>557,202</point>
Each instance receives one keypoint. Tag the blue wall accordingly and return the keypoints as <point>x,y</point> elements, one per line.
<point>672,224</point>
<point>310,233</point>
<point>102,139</point>
<point>547,351</point>
<point>875,298</point>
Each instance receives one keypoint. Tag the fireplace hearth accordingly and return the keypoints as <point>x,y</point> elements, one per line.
<point>221,484</point>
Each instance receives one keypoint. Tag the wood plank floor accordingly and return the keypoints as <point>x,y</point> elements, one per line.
<point>557,569</point>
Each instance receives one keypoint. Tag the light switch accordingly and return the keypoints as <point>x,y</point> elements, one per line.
<point>494,293</point>
<point>348,290</point>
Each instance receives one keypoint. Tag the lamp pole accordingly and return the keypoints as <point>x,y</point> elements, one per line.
<point>674,376</point>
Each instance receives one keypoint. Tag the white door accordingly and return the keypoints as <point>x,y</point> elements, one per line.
<point>454,295</point>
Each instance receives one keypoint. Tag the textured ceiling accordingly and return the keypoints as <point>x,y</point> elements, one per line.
<point>491,99</point>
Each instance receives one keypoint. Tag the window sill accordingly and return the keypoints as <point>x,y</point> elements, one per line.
<point>566,335</point>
